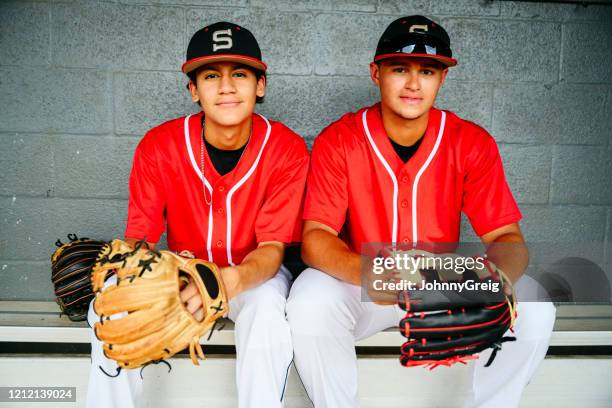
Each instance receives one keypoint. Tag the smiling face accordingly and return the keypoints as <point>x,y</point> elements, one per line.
<point>408,85</point>
<point>227,92</point>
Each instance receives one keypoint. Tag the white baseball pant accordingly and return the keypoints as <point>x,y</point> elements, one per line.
<point>263,352</point>
<point>327,316</point>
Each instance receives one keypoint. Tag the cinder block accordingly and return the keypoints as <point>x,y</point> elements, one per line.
<point>553,233</point>
<point>564,223</point>
<point>24,280</point>
<point>555,12</point>
<point>22,101</point>
<point>198,18</point>
<point>495,50</point>
<point>449,7</point>
<point>581,175</point>
<point>471,101</point>
<point>29,227</point>
<point>533,113</point>
<point>557,232</point>
<point>305,5</point>
<point>608,264</point>
<point>527,170</point>
<point>307,104</point>
<point>346,43</point>
<point>96,34</point>
<point>285,39</point>
<point>27,164</point>
<point>24,33</point>
<point>584,58</point>
<point>467,232</point>
<point>78,101</point>
<point>609,114</point>
<point>90,167</point>
<point>146,99</point>
<point>55,100</point>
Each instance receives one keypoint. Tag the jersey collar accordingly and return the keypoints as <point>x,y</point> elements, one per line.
<point>250,155</point>
<point>381,139</point>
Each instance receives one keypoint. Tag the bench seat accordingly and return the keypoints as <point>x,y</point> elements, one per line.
<point>40,321</point>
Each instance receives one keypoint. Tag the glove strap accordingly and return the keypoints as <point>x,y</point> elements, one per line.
<point>511,302</point>
<point>496,347</point>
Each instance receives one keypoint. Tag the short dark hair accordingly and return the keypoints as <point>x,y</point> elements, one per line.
<point>258,74</point>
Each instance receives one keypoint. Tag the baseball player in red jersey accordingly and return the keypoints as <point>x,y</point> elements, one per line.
<point>227,185</point>
<point>401,172</point>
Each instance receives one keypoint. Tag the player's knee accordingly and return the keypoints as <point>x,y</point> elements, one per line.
<point>308,317</point>
<point>535,320</point>
<point>267,307</point>
<point>317,314</point>
<point>262,324</point>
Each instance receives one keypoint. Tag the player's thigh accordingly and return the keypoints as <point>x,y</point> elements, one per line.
<point>268,299</point>
<point>535,316</point>
<point>318,300</point>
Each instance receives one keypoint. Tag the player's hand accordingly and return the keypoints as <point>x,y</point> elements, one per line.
<point>190,296</point>
<point>508,289</point>
<point>189,293</point>
<point>380,297</point>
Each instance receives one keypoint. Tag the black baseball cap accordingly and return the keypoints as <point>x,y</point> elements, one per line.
<point>415,36</point>
<point>223,41</point>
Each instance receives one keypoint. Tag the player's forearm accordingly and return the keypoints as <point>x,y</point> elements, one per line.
<point>510,254</point>
<point>328,253</point>
<point>260,265</point>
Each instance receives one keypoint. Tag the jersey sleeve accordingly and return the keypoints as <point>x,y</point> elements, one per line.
<point>487,199</point>
<point>146,201</point>
<point>326,192</point>
<point>280,217</point>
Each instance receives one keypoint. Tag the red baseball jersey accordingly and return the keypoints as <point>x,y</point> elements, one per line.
<point>359,186</point>
<point>219,218</point>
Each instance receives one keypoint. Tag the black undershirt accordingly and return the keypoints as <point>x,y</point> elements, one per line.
<point>224,160</point>
<point>406,152</point>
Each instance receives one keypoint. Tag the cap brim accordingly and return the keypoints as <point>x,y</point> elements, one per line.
<point>196,63</point>
<point>448,61</point>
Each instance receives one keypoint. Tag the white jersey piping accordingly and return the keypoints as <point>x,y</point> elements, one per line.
<point>391,174</point>
<point>194,164</point>
<point>415,184</point>
<point>239,184</point>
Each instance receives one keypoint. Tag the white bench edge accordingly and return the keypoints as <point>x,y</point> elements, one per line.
<point>226,337</point>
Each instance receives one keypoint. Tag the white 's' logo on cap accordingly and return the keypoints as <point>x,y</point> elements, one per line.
<point>222,39</point>
<point>418,28</point>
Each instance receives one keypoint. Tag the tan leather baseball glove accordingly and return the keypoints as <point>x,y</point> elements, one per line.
<point>152,323</point>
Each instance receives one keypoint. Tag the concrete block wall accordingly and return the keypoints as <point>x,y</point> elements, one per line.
<point>82,80</point>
